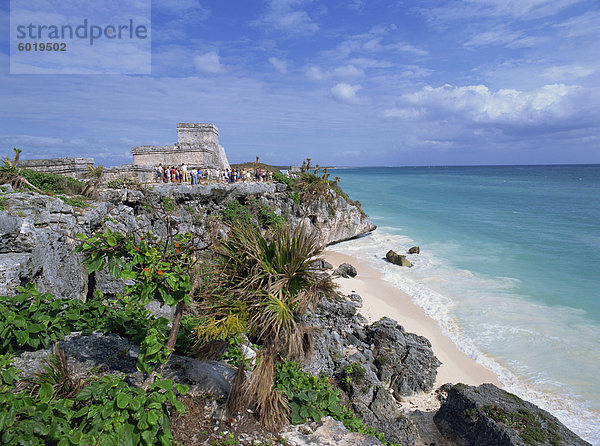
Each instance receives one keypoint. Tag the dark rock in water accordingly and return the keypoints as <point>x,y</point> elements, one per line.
<point>414,250</point>
<point>487,415</point>
<point>345,270</point>
<point>322,264</point>
<point>397,259</point>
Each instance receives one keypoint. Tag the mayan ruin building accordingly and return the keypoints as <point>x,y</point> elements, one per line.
<point>197,146</point>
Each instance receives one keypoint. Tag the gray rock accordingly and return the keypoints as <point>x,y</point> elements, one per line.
<point>345,270</point>
<point>397,259</point>
<point>115,355</point>
<point>322,264</point>
<point>487,415</point>
<point>404,361</point>
<point>414,250</point>
<point>328,432</point>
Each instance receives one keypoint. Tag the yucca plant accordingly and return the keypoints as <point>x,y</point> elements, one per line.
<point>11,173</point>
<point>94,176</point>
<point>56,372</point>
<point>269,284</point>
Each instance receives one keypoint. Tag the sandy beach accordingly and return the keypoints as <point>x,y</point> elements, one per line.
<point>381,298</point>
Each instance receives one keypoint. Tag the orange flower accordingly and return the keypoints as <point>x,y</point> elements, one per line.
<point>135,247</point>
<point>142,237</point>
<point>146,269</point>
<point>177,251</point>
<point>160,272</point>
<point>176,245</point>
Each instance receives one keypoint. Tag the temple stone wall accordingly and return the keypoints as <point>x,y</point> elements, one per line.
<point>197,146</point>
<point>71,167</point>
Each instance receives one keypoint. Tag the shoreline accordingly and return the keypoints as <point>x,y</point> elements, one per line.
<point>381,298</point>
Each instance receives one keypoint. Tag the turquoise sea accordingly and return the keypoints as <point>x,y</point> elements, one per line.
<point>509,267</point>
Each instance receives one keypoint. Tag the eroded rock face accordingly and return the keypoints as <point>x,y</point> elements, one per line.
<point>487,415</point>
<point>372,364</point>
<point>37,232</point>
<point>327,432</point>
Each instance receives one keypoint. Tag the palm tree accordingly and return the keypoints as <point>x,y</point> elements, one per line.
<point>308,165</point>
<point>269,284</point>
<point>10,173</point>
<point>317,168</point>
<point>303,167</point>
<point>95,175</point>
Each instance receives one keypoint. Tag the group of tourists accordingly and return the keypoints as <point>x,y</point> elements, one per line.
<point>181,174</point>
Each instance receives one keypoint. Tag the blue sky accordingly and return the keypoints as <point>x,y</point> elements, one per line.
<point>345,83</point>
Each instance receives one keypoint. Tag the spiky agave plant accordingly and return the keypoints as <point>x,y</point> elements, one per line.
<point>11,173</point>
<point>94,176</point>
<point>269,284</point>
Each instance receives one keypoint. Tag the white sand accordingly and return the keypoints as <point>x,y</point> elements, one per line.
<point>381,298</point>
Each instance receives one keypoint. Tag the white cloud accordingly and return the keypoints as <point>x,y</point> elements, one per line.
<point>287,16</point>
<point>209,63</point>
<point>408,114</point>
<point>567,72</point>
<point>342,72</point>
<point>347,71</point>
<point>345,92</point>
<point>479,104</point>
<point>279,64</point>
<point>581,25</point>
<point>316,74</point>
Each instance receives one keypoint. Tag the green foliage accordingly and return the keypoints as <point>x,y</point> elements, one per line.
<point>235,212</point>
<point>33,320</point>
<point>159,270</point>
<point>107,411</point>
<point>168,204</point>
<point>281,178</point>
<point>3,203</point>
<point>53,183</point>
<point>153,350</point>
<point>311,398</point>
<point>353,373</point>
<point>527,425</point>
<point>253,213</point>
<point>73,201</point>
<point>123,183</point>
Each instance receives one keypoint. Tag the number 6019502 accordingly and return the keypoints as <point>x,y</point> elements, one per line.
<point>41,46</point>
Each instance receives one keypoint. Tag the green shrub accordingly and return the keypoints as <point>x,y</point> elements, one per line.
<point>254,213</point>
<point>107,411</point>
<point>53,183</point>
<point>311,398</point>
<point>123,183</point>
<point>281,178</point>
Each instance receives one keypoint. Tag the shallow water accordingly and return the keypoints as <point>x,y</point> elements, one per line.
<point>509,266</point>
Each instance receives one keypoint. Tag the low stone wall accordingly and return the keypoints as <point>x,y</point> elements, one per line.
<point>143,174</point>
<point>71,167</point>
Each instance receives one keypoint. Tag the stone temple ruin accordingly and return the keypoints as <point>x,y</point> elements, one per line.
<point>197,146</point>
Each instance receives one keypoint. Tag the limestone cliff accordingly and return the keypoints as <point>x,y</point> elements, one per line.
<point>37,232</point>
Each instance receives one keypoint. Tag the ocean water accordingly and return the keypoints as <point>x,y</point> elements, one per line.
<point>509,267</point>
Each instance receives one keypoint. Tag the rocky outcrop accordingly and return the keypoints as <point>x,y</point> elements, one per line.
<point>327,432</point>
<point>116,355</point>
<point>487,415</point>
<point>345,270</point>
<point>414,250</point>
<point>397,259</point>
<point>374,365</point>
<point>37,232</point>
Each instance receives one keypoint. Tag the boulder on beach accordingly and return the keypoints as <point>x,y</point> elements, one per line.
<point>414,250</point>
<point>397,259</point>
<point>345,270</point>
